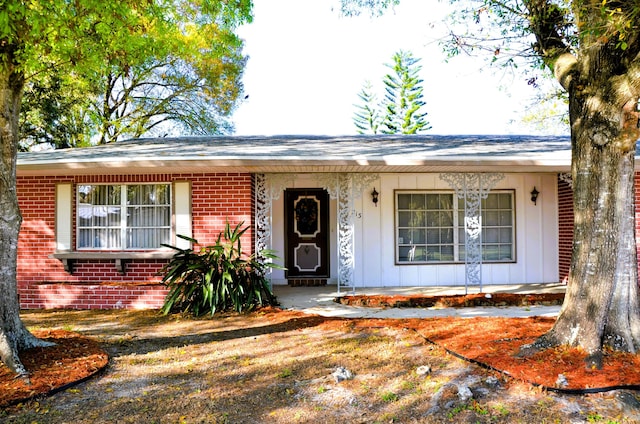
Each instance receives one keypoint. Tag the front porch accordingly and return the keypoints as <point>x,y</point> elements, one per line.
<point>320,301</point>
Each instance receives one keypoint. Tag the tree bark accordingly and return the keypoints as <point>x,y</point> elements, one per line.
<point>601,303</point>
<point>14,337</point>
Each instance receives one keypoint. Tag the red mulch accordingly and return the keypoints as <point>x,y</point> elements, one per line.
<point>452,301</point>
<point>74,358</point>
<point>490,341</point>
<point>496,341</point>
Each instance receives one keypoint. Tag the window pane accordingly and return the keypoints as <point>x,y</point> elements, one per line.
<point>99,194</point>
<point>147,238</point>
<point>506,235</point>
<point>113,216</point>
<point>420,254</point>
<point>446,201</point>
<point>84,238</point>
<point>417,201</point>
<point>504,201</point>
<point>446,219</point>
<point>163,194</point>
<point>404,236</point>
<point>491,202</point>
<point>404,218</point>
<point>446,253</point>
<point>446,236</point>
<point>491,218</point>
<point>491,235</point>
<point>404,254</point>
<point>418,236</point>
<point>433,253</point>
<point>433,219</point>
<point>505,218</point>
<point>506,252</point>
<point>417,219</point>
<point>490,253</point>
<point>106,238</point>
<point>433,201</point>
<point>404,200</point>
<point>433,236</point>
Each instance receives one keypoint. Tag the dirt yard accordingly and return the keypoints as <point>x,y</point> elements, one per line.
<point>278,366</point>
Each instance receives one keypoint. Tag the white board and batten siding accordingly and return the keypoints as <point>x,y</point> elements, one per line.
<point>536,235</point>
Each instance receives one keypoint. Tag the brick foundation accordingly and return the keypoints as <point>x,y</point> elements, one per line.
<point>91,296</point>
<point>307,282</point>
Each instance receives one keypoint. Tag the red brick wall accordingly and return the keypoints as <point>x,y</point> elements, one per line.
<point>97,284</point>
<point>565,221</point>
<point>565,226</point>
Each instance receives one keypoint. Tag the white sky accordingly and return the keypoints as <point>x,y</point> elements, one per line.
<point>307,65</point>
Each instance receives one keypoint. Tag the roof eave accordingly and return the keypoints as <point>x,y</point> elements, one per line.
<point>377,165</point>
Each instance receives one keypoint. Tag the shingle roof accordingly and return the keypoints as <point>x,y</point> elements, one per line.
<point>377,153</point>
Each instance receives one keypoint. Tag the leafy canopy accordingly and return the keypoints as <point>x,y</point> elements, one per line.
<point>136,62</point>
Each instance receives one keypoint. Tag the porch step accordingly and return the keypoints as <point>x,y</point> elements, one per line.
<point>307,282</point>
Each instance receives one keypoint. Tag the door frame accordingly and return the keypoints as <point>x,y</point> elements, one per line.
<point>290,195</point>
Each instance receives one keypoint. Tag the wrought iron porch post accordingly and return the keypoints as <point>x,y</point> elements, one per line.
<point>473,188</point>
<point>268,187</point>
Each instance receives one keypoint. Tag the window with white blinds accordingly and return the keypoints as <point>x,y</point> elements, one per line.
<point>123,216</point>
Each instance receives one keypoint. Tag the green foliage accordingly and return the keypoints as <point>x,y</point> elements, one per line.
<point>548,113</point>
<point>54,113</point>
<point>389,397</point>
<point>367,118</point>
<point>403,97</point>
<point>401,111</point>
<point>141,68</point>
<point>218,277</point>
<point>285,373</point>
<point>374,7</point>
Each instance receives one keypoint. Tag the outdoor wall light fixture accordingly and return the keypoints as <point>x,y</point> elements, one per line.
<point>374,197</point>
<point>534,195</point>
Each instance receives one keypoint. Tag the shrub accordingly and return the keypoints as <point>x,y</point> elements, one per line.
<point>218,277</point>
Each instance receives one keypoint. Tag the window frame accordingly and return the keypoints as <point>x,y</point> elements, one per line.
<point>457,228</point>
<point>123,227</point>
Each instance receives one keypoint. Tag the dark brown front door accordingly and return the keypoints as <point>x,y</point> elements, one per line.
<point>307,227</point>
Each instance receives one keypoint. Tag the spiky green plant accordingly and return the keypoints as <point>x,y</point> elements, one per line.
<point>218,277</point>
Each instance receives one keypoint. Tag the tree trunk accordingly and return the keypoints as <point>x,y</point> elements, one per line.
<point>601,303</point>
<point>14,337</point>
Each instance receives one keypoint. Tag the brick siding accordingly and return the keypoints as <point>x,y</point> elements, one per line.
<point>565,228</point>
<point>565,221</point>
<point>43,282</point>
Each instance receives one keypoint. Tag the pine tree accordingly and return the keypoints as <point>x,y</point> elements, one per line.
<point>367,119</point>
<point>402,110</point>
<point>403,97</point>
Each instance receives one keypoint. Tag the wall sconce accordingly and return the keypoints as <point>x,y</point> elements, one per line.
<point>374,197</point>
<point>534,195</point>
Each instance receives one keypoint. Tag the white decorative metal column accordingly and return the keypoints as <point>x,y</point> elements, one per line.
<point>567,178</point>
<point>346,188</point>
<point>268,187</point>
<point>473,188</point>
